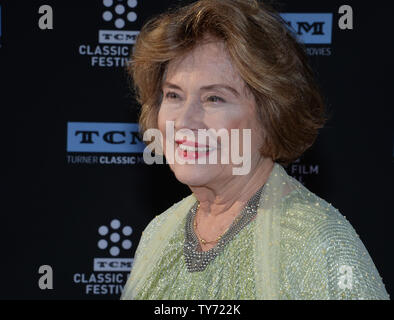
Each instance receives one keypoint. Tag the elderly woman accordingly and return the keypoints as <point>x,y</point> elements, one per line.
<point>233,64</point>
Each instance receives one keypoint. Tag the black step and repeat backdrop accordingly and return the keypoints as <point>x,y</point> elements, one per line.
<point>76,192</point>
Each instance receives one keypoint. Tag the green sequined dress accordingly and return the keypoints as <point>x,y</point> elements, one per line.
<point>298,247</point>
<point>228,276</point>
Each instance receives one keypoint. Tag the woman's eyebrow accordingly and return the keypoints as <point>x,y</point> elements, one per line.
<point>171,85</point>
<point>222,86</point>
<point>205,88</point>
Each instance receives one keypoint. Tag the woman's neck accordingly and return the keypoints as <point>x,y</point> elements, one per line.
<point>230,197</point>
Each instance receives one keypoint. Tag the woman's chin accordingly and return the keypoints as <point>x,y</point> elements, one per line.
<point>194,175</point>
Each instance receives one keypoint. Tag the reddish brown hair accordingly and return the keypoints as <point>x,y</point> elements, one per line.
<point>272,63</point>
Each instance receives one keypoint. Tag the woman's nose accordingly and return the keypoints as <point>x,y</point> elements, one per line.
<point>189,115</point>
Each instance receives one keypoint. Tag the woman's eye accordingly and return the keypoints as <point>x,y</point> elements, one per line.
<point>215,99</point>
<point>171,95</point>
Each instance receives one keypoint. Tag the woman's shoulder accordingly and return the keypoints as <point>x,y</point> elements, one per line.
<point>307,212</point>
<point>157,226</point>
<point>300,208</point>
<point>325,252</point>
<point>161,218</point>
<point>314,224</point>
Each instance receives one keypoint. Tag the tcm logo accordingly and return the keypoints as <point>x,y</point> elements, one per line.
<point>104,137</point>
<point>118,37</point>
<point>310,28</point>
<point>112,264</point>
<point>117,13</point>
<point>113,238</point>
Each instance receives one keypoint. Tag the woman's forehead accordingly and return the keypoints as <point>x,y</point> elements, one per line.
<point>206,60</point>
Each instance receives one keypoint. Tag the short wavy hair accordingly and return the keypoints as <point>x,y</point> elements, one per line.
<point>273,65</point>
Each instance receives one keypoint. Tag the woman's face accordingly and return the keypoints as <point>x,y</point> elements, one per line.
<point>203,90</point>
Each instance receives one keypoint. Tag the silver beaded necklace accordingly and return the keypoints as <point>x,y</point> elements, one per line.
<point>198,260</point>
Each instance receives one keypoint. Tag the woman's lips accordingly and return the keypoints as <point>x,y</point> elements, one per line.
<point>190,150</point>
<point>191,143</point>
